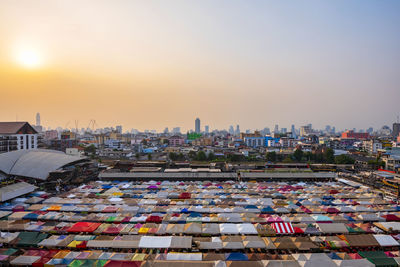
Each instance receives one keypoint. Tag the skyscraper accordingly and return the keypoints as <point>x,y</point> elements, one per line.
<point>231,130</point>
<point>276,129</point>
<point>38,119</point>
<point>396,129</point>
<point>237,130</point>
<point>119,128</point>
<point>197,125</point>
<point>176,130</point>
<point>206,129</point>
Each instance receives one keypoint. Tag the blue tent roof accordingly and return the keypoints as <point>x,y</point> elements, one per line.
<point>267,209</point>
<point>31,216</point>
<point>184,210</point>
<point>349,218</point>
<point>334,256</point>
<point>236,256</point>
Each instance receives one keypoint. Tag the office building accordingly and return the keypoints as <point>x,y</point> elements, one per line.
<point>396,129</point>
<point>197,126</point>
<point>276,129</point>
<point>305,130</point>
<point>176,130</point>
<point>207,129</point>
<point>350,134</point>
<point>119,129</point>
<point>231,130</point>
<point>237,132</point>
<point>38,119</point>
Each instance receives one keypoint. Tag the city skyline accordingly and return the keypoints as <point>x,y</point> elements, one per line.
<point>206,129</point>
<point>137,65</point>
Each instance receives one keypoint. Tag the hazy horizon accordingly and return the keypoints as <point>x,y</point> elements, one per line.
<point>156,64</point>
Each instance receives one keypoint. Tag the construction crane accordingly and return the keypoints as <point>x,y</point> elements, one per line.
<point>76,126</point>
<point>92,123</point>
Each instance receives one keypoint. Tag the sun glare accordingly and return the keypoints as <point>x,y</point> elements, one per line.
<point>29,59</point>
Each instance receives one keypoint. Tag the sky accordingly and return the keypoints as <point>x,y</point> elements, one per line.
<point>156,64</point>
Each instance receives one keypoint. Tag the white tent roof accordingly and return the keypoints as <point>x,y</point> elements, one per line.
<point>386,240</point>
<point>228,228</point>
<point>155,242</point>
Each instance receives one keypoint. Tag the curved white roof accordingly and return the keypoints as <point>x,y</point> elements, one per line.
<point>37,163</point>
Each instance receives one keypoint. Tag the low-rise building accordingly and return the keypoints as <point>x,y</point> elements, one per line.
<point>176,140</point>
<point>350,134</point>
<point>392,162</point>
<point>372,146</point>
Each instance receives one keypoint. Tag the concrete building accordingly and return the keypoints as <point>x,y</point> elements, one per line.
<point>202,141</point>
<point>51,134</point>
<point>305,130</point>
<point>396,130</point>
<point>17,136</point>
<point>176,140</point>
<point>237,132</point>
<point>286,142</point>
<point>351,134</point>
<point>119,129</point>
<point>114,144</point>
<point>75,151</point>
<point>176,130</point>
<point>372,146</point>
<point>197,125</point>
<point>392,162</point>
<point>254,141</point>
<point>38,119</point>
<point>207,129</point>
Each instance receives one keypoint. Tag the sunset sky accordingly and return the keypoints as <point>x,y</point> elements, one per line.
<point>152,64</point>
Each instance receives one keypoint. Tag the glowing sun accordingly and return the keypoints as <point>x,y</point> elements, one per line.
<point>29,59</point>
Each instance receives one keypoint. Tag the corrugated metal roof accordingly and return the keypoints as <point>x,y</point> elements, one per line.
<point>36,163</point>
<point>167,175</point>
<point>287,175</point>
<point>15,190</point>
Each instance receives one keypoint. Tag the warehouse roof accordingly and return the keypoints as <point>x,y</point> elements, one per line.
<point>37,163</point>
<point>15,190</point>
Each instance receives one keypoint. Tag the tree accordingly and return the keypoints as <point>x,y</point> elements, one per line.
<point>211,156</point>
<point>90,149</point>
<point>271,156</point>
<point>298,154</point>
<point>149,156</point>
<point>235,157</point>
<point>166,141</point>
<point>375,163</point>
<point>192,154</point>
<point>201,156</point>
<point>344,159</point>
<point>173,156</point>
<point>288,159</point>
<point>309,156</point>
<point>329,156</point>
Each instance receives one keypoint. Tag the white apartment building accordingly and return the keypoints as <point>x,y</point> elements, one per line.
<point>17,136</point>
